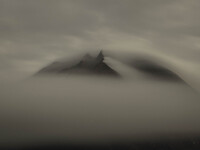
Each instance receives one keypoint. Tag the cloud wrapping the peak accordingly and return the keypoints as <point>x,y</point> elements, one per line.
<point>34,33</point>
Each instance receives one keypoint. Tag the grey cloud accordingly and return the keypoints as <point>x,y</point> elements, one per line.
<point>43,30</point>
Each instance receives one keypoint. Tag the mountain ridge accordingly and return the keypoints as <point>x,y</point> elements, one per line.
<point>88,65</point>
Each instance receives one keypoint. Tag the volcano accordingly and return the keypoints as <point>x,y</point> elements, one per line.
<point>88,65</point>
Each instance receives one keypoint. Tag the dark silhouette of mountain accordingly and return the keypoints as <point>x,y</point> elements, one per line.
<point>155,70</point>
<point>87,65</point>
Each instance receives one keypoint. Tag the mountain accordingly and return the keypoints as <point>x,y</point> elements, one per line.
<point>87,65</point>
<point>135,66</point>
<point>155,70</point>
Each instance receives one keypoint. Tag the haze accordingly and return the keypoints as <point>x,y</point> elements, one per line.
<point>34,34</point>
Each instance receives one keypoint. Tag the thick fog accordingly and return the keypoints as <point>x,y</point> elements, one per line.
<point>141,40</point>
<point>91,108</point>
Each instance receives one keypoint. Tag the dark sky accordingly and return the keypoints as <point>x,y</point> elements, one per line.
<point>36,32</point>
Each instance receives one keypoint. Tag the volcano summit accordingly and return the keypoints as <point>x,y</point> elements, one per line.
<point>87,65</point>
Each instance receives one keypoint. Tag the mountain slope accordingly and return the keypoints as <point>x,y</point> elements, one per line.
<point>87,65</point>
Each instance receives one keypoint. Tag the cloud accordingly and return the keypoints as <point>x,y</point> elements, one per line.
<point>40,31</point>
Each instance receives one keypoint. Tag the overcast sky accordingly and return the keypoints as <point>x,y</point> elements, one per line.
<point>35,32</point>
